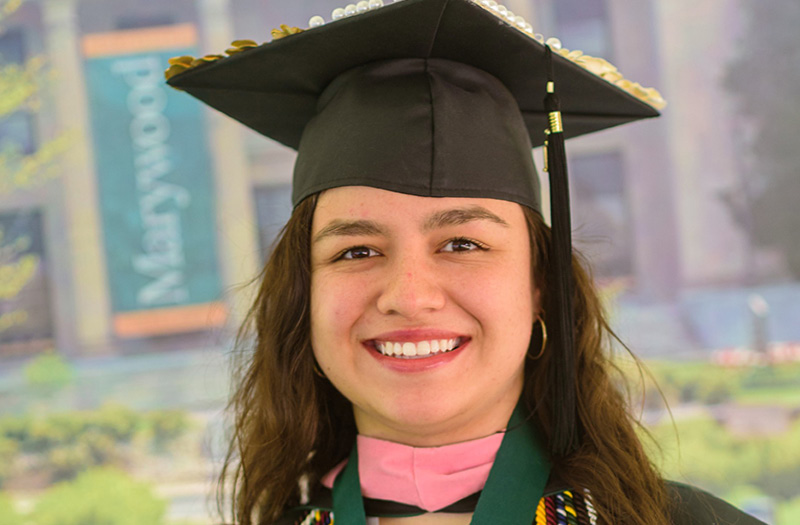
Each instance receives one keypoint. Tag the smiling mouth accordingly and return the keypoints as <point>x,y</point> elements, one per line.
<point>418,350</point>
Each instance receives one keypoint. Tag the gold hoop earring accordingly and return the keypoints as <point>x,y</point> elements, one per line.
<point>544,337</point>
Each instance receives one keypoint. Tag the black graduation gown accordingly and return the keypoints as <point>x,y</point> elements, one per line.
<point>689,506</point>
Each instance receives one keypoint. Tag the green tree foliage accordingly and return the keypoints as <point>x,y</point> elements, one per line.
<point>167,426</point>
<point>19,171</point>
<point>8,451</point>
<point>765,80</point>
<point>710,456</point>
<point>66,444</point>
<point>100,497</point>
<point>706,453</point>
<point>692,383</point>
<point>48,373</point>
<point>116,421</point>
<point>20,85</point>
<point>709,384</point>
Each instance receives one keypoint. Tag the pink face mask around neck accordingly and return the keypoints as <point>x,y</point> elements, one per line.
<point>430,478</point>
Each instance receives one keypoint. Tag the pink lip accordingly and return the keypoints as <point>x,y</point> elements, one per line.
<point>420,364</point>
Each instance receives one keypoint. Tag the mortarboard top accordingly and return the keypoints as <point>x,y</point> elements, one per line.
<point>273,88</point>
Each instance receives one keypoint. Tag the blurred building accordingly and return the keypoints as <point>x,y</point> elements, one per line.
<point>162,208</point>
<point>624,213</point>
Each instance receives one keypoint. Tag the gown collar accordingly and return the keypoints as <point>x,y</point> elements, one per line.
<point>516,480</point>
<point>431,478</point>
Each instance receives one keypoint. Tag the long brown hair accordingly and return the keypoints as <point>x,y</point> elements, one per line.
<point>291,426</point>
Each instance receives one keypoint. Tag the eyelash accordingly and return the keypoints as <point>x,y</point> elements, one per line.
<point>478,245</point>
<point>343,255</point>
<point>463,240</point>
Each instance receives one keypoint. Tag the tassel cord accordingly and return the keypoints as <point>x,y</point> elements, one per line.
<point>564,437</point>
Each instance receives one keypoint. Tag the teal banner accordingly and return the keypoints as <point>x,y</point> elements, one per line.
<point>155,183</point>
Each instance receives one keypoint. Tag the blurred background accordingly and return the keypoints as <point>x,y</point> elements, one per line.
<point>132,220</point>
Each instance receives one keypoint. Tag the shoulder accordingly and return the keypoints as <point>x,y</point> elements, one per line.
<point>693,506</point>
<point>689,506</point>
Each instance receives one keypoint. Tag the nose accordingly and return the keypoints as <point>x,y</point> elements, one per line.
<point>411,286</point>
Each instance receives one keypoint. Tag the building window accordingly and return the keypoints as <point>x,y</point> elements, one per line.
<point>26,324</point>
<point>585,25</point>
<point>273,209</point>
<point>17,127</point>
<point>600,215</point>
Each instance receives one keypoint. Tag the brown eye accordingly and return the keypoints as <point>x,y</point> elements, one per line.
<point>358,252</point>
<point>462,245</point>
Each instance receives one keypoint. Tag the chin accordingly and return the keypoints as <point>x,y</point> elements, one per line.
<point>436,413</point>
<point>421,420</point>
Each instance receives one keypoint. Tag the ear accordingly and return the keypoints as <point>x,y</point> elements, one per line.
<point>536,294</point>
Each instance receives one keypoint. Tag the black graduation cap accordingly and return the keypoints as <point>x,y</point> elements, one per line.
<point>434,98</point>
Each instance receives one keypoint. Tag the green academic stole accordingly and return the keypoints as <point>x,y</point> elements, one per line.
<point>515,485</point>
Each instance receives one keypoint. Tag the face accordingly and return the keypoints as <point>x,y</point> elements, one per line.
<point>422,311</point>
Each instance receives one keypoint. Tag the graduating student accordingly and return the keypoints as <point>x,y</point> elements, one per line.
<point>424,349</point>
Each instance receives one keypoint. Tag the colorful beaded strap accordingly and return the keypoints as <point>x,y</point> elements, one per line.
<point>566,508</point>
<point>562,508</point>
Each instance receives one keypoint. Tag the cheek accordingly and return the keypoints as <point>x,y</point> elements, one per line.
<point>336,304</point>
<point>507,293</point>
<point>505,307</point>
<point>320,314</point>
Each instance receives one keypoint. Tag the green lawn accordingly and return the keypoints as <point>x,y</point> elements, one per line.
<point>788,513</point>
<point>743,470</point>
<point>770,395</point>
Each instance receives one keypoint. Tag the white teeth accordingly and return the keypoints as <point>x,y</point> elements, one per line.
<point>422,348</point>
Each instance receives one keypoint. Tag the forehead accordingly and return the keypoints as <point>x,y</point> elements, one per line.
<point>367,203</point>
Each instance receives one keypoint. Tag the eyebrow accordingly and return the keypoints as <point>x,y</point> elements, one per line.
<point>457,216</point>
<point>341,228</point>
<point>440,219</point>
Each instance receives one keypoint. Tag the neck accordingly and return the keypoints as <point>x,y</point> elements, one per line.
<point>433,430</point>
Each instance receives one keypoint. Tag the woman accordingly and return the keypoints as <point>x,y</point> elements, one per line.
<point>425,350</point>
